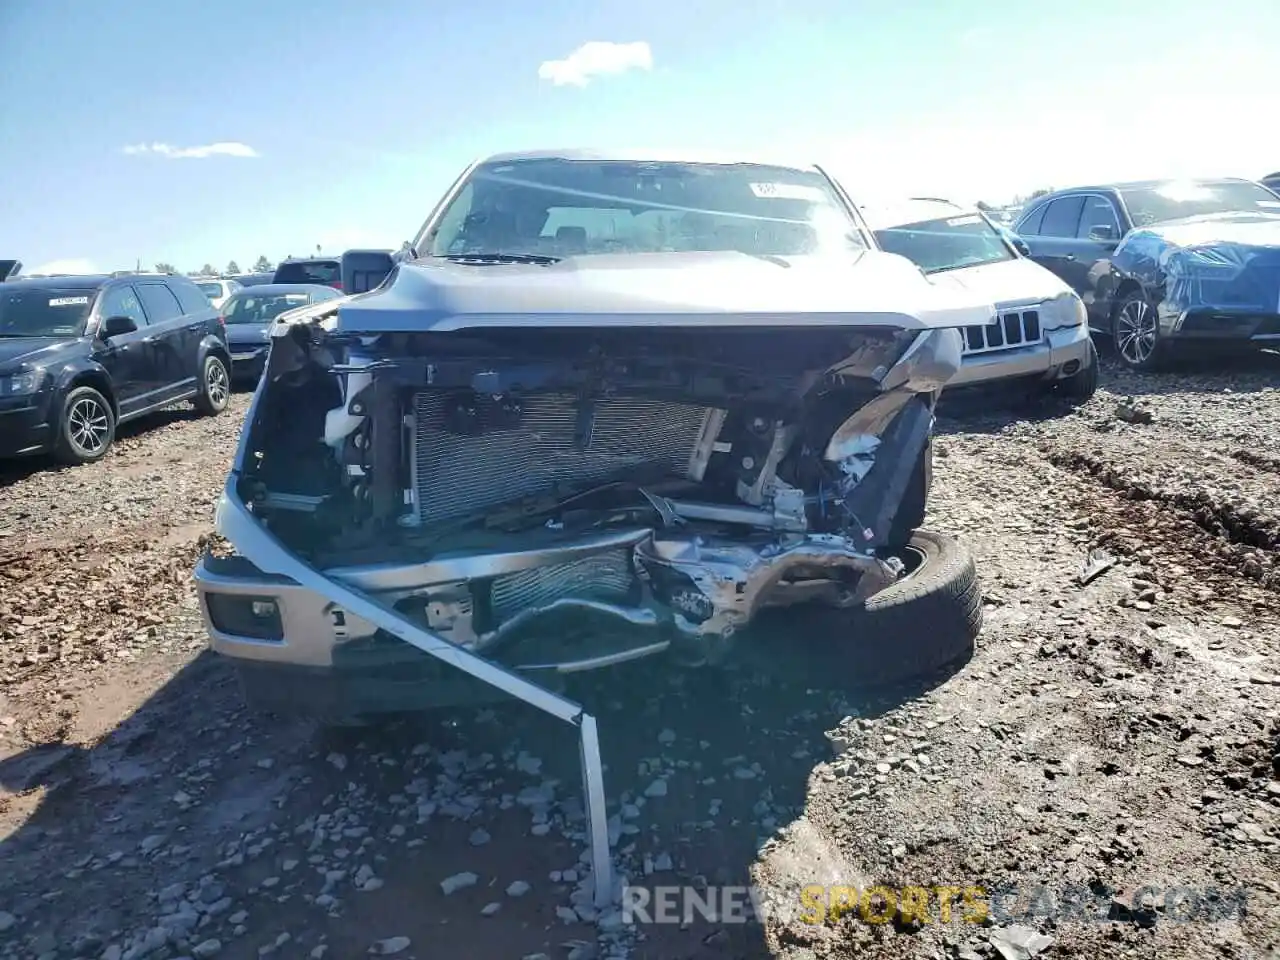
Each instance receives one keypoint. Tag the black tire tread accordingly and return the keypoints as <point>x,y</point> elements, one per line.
<point>201,400</point>
<point>63,451</point>
<point>913,628</point>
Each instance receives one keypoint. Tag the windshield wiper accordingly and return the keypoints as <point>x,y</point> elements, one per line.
<point>499,258</point>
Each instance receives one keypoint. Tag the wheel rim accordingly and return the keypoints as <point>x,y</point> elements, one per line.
<point>1136,331</point>
<point>913,559</point>
<point>216,383</point>
<point>89,426</point>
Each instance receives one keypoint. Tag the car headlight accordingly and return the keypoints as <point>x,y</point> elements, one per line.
<point>21,384</point>
<point>1064,310</point>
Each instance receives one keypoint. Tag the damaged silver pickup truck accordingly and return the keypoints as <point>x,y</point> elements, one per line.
<point>601,408</point>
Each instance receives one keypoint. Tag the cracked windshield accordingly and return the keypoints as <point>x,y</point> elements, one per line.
<point>676,481</point>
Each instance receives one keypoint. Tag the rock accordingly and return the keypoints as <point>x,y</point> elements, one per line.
<point>567,914</point>
<point>1131,411</point>
<point>479,837</point>
<point>1233,623</point>
<point>318,953</point>
<point>151,843</point>
<point>459,881</point>
<point>237,918</point>
<point>656,789</point>
<point>662,863</point>
<point>517,888</point>
<point>179,925</point>
<point>389,946</point>
<point>1018,942</point>
<point>489,909</point>
<point>7,920</point>
<point>338,761</point>
<point>667,737</point>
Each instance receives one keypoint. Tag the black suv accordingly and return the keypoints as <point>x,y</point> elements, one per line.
<point>81,354</point>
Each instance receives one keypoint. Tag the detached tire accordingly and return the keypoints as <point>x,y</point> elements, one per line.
<point>926,621</point>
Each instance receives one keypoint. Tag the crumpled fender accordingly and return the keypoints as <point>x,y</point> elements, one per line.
<point>1227,265</point>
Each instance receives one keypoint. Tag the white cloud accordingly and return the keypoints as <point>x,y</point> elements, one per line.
<point>223,148</point>
<point>73,265</point>
<point>596,58</point>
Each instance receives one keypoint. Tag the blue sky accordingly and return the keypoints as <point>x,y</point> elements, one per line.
<point>340,127</point>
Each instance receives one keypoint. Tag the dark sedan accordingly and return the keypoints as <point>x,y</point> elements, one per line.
<point>1163,263</point>
<point>249,313</point>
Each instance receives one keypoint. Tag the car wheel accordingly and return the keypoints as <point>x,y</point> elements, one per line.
<point>1080,387</point>
<point>1135,333</point>
<point>926,621</point>
<point>215,387</point>
<point>87,427</point>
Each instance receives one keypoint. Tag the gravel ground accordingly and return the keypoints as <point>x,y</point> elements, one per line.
<point>1109,736</point>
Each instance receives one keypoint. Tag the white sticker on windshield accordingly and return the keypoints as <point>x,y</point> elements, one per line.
<point>964,221</point>
<point>787,191</point>
<point>68,301</point>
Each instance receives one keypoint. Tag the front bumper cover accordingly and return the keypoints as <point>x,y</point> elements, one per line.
<point>1050,357</point>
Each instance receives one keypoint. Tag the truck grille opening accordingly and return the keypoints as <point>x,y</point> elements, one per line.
<point>606,576</point>
<point>1012,328</point>
<point>554,442</point>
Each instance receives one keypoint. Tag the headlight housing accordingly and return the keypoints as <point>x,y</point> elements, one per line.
<point>22,383</point>
<point>1064,310</point>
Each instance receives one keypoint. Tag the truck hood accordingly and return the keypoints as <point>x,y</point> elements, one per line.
<point>868,288</point>
<point>1007,282</point>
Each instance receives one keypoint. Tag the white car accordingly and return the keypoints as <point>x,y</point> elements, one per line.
<point>1040,331</point>
<point>217,289</point>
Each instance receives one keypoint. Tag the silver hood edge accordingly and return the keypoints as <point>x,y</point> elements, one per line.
<point>720,289</point>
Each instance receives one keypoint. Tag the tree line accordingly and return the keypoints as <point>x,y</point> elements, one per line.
<point>261,265</point>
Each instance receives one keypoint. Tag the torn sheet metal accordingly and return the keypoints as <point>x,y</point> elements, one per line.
<point>1227,264</point>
